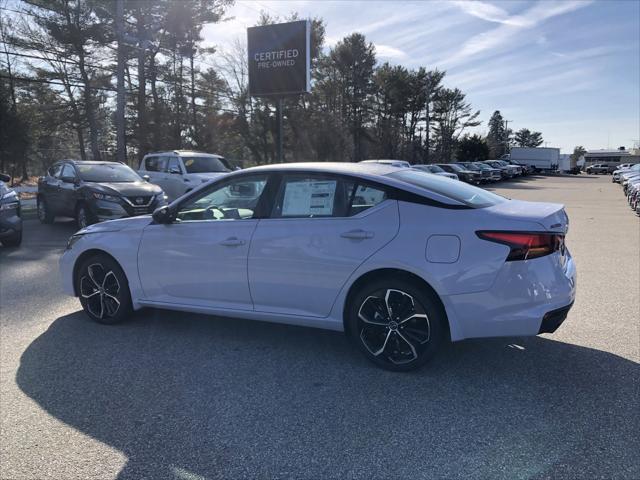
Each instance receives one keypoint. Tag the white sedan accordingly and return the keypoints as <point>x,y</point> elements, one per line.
<point>400,260</point>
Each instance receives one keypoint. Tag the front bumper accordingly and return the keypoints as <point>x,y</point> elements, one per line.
<point>10,223</point>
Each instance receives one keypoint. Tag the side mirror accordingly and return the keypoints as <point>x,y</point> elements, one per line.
<point>4,177</point>
<point>146,178</point>
<point>175,170</point>
<point>163,215</point>
<point>68,179</point>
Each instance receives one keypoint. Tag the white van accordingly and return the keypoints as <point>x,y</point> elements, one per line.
<point>179,171</point>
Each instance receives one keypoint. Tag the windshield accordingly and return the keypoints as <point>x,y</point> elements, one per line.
<point>469,166</point>
<point>463,192</point>
<point>104,172</point>
<point>483,166</point>
<point>205,164</point>
<point>429,168</point>
<point>455,167</point>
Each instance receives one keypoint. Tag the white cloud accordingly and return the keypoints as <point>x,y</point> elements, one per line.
<point>510,26</point>
<point>387,51</point>
<point>485,11</point>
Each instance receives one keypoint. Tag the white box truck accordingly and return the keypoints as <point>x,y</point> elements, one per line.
<point>541,159</point>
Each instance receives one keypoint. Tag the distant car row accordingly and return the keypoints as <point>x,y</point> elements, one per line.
<point>605,168</point>
<point>470,172</point>
<point>629,177</point>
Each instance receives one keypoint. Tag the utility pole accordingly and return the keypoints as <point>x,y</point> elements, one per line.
<point>280,133</point>
<point>506,136</point>
<point>121,149</point>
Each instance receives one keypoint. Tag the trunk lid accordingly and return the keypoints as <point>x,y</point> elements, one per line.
<point>551,216</point>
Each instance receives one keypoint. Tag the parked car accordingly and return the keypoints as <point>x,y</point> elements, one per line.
<point>180,171</point>
<point>598,168</point>
<point>485,175</point>
<point>504,170</point>
<point>436,170</point>
<point>526,169</point>
<point>516,169</point>
<point>495,173</point>
<point>10,219</point>
<point>463,174</point>
<point>395,163</point>
<point>425,258</point>
<point>624,168</point>
<point>93,192</point>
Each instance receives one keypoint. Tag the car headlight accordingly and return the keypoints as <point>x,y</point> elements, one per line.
<point>72,240</point>
<point>9,205</point>
<point>161,197</point>
<point>105,197</point>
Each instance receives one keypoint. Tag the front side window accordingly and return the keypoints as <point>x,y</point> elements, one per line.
<point>459,191</point>
<point>173,166</point>
<point>195,164</point>
<point>235,200</point>
<point>68,172</point>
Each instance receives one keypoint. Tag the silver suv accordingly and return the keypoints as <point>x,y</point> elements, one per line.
<point>179,171</point>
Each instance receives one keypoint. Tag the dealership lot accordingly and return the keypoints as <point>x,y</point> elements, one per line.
<point>174,395</point>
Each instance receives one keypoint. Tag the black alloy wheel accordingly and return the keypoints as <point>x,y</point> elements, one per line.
<point>396,325</point>
<point>103,290</point>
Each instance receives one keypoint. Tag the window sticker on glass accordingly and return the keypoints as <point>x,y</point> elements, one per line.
<point>189,162</point>
<point>308,198</point>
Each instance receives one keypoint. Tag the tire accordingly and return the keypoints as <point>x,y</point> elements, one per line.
<point>103,290</point>
<point>398,343</point>
<point>44,212</point>
<point>83,216</point>
<point>13,241</point>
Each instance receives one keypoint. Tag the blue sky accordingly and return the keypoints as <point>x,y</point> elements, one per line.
<point>569,69</point>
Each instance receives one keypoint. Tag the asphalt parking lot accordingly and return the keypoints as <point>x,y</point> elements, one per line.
<point>174,395</point>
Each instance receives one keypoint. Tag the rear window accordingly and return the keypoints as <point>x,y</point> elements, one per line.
<point>453,189</point>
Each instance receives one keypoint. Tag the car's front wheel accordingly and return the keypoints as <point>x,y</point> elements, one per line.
<point>83,216</point>
<point>396,323</point>
<point>45,215</point>
<point>13,241</point>
<point>103,290</point>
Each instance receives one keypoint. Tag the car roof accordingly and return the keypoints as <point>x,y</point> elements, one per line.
<point>184,152</point>
<point>374,172</point>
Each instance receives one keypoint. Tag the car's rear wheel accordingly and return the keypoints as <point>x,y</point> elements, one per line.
<point>103,290</point>
<point>45,215</point>
<point>396,323</point>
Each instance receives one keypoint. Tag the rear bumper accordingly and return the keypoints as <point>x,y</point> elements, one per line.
<point>522,295</point>
<point>553,319</point>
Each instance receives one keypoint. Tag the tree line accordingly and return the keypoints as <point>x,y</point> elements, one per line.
<point>57,93</point>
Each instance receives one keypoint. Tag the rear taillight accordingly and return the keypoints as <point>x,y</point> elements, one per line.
<point>525,245</point>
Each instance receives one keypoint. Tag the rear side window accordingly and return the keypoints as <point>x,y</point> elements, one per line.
<point>55,171</point>
<point>68,171</point>
<point>460,191</point>
<point>319,196</point>
<point>155,164</point>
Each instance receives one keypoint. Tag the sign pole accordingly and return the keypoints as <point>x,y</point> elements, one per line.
<point>280,133</point>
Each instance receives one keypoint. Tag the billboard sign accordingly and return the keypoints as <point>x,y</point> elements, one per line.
<point>279,59</point>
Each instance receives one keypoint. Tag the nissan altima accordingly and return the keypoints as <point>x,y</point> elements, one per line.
<point>399,259</point>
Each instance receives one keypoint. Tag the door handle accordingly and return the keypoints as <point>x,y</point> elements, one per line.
<point>357,234</point>
<point>232,242</point>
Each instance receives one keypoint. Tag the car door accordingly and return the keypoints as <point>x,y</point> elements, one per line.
<point>67,190</point>
<point>200,259</point>
<point>175,178</point>
<point>321,230</point>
